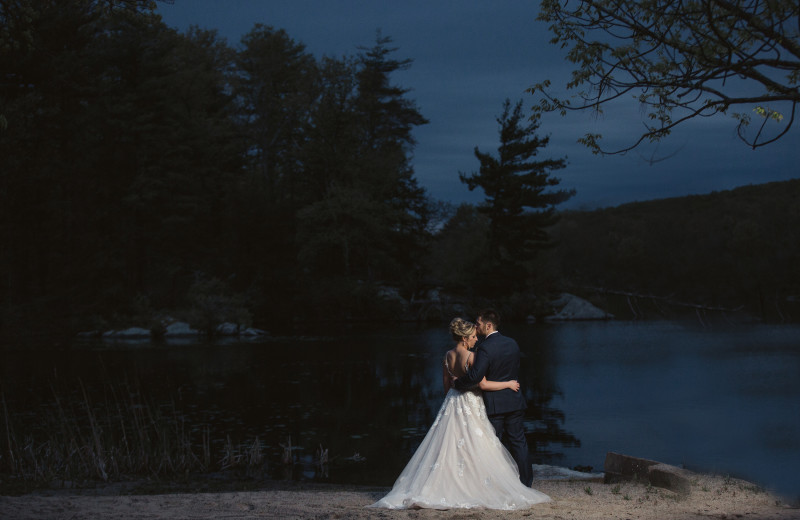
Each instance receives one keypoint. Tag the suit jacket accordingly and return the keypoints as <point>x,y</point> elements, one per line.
<point>497,359</point>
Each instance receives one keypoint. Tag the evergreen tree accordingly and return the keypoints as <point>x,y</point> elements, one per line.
<point>519,203</point>
<point>362,227</point>
<point>115,156</point>
<point>389,118</point>
<point>330,226</point>
<point>166,149</point>
<point>276,87</point>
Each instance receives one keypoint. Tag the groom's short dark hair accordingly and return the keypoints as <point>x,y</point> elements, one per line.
<point>491,316</point>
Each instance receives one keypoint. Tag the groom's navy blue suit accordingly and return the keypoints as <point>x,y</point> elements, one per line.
<point>497,359</point>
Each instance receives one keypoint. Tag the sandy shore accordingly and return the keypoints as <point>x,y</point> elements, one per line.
<point>710,497</point>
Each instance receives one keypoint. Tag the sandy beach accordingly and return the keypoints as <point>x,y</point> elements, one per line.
<point>710,497</point>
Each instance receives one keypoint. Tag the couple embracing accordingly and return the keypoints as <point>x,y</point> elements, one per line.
<point>461,462</point>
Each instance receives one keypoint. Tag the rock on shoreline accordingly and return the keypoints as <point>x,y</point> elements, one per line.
<point>173,329</point>
<point>570,307</point>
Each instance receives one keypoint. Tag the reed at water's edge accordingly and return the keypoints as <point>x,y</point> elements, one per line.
<point>81,437</point>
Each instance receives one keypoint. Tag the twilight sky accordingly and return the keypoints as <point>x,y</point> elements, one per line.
<point>468,57</point>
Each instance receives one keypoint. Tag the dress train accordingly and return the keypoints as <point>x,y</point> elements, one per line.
<point>461,464</point>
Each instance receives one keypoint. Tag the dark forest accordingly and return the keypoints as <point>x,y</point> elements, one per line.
<point>147,172</point>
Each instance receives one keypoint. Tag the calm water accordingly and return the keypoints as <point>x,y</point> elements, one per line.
<point>724,400</point>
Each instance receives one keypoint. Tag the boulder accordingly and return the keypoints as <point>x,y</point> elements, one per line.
<point>132,332</point>
<point>228,329</point>
<point>180,328</point>
<point>250,331</point>
<point>571,307</point>
<point>620,467</point>
<point>676,479</point>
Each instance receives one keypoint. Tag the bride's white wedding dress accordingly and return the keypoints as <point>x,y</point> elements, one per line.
<point>461,464</point>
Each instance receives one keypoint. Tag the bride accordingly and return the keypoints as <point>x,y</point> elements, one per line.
<point>461,462</point>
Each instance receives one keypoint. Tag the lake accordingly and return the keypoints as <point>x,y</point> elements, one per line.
<point>723,399</point>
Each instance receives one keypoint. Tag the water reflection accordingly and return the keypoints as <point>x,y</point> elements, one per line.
<point>367,399</point>
<point>721,399</point>
<point>725,400</point>
<point>545,421</point>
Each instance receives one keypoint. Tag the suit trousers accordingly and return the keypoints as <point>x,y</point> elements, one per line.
<point>510,425</point>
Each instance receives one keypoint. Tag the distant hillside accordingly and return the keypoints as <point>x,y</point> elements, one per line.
<point>736,248</point>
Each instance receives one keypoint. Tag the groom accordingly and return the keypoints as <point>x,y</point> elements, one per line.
<point>497,359</point>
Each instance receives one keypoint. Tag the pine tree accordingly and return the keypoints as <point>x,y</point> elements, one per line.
<point>370,203</point>
<point>519,203</point>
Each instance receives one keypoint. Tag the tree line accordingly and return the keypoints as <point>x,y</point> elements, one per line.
<point>147,170</point>
<point>730,252</point>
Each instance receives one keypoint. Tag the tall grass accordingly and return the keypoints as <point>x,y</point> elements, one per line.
<point>111,435</point>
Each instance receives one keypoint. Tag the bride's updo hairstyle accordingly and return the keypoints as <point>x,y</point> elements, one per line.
<point>461,328</point>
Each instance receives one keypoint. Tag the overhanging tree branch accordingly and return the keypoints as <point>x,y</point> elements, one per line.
<point>698,57</point>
